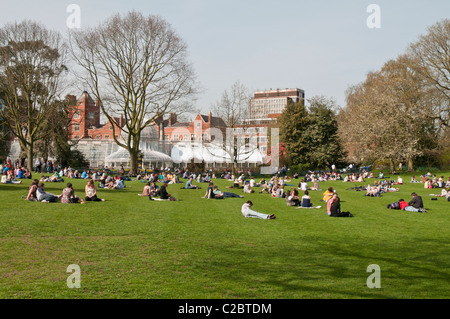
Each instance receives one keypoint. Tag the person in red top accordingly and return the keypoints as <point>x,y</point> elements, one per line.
<point>403,204</point>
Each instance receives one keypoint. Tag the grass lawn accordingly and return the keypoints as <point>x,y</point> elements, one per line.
<point>130,247</point>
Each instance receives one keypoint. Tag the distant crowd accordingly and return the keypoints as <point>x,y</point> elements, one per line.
<point>295,190</point>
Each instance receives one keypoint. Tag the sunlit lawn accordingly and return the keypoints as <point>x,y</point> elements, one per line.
<point>130,247</point>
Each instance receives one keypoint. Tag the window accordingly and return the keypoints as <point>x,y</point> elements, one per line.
<point>76,115</point>
<point>199,124</point>
<point>166,137</point>
<point>185,137</point>
<point>76,127</point>
<point>192,137</point>
<point>175,137</point>
<point>91,115</point>
<point>204,137</point>
<point>77,137</point>
<point>98,137</point>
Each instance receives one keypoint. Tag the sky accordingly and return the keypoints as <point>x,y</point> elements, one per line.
<point>322,47</point>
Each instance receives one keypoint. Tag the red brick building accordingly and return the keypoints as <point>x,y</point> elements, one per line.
<point>85,123</point>
<point>202,128</point>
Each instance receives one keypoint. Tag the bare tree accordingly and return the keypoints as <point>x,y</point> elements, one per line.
<point>432,62</point>
<point>32,61</point>
<point>137,66</point>
<point>240,140</point>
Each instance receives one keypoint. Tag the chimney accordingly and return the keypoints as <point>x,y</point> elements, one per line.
<point>209,118</point>
<point>172,119</point>
<point>121,120</point>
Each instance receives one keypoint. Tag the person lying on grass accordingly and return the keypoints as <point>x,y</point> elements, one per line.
<point>218,194</point>
<point>248,212</point>
<point>213,192</point>
<point>45,197</point>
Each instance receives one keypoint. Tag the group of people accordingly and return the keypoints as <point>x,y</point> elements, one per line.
<point>414,205</point>
<point>37,192</point>
<point>276,187</point>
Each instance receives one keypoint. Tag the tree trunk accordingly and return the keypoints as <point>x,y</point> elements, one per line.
<point>133,162</point>
<point>410,164</point>
<point>30,156</point>
<point>392,164</point>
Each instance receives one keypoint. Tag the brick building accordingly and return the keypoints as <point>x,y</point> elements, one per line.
<point>201,129</point>
<point>85,123</point>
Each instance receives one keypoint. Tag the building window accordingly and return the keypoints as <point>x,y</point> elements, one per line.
<point>185,137</point>
<point>91,115</point>
<point>106,137</point>
<point>98,137</point>
<point>199,124</point>
<point>175,137</point>
<point>166,137</point>
<point>192,137</point>
<point>76,127</point>
<point>204,137</point>
<point>76,115</point>
<point>77,137</point>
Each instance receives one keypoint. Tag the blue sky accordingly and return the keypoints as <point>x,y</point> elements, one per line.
<point>322,47</point>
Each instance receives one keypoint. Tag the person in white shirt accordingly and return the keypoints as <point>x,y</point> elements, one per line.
<point>247,212</point>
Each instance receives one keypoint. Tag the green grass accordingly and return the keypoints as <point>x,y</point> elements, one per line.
<point>130,247</point>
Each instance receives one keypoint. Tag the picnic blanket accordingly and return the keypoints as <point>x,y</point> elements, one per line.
<point>309,207</point>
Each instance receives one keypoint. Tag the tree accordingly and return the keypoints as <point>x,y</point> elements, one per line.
<point>240,140</point>
<point>431,53</point>
<point>137,66</point>
<point>293,124</point>
<point>321,135</point>
<point>55,141</point>
<point>32,62</point>
<point>386,115</point>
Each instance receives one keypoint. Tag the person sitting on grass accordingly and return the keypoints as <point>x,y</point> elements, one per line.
<point>91,192</point>
<point>415,204</point>
<point>248,212</point>
<point>306,200</point>
<point>163,194</point>
<point>45,197</point>
<point>32,196</point>
<point>335,208</point>
<point>247,188</point>
<point>189,184</point>
<point>209,191</point>
<point>328,194</point>
<point>292,198</point>
<point>68,196</point>
<point>146,190</point>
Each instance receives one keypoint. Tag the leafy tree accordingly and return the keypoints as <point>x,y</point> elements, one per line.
<point>293,124</point>
<point>31,67</point>
<point>321,134</point>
